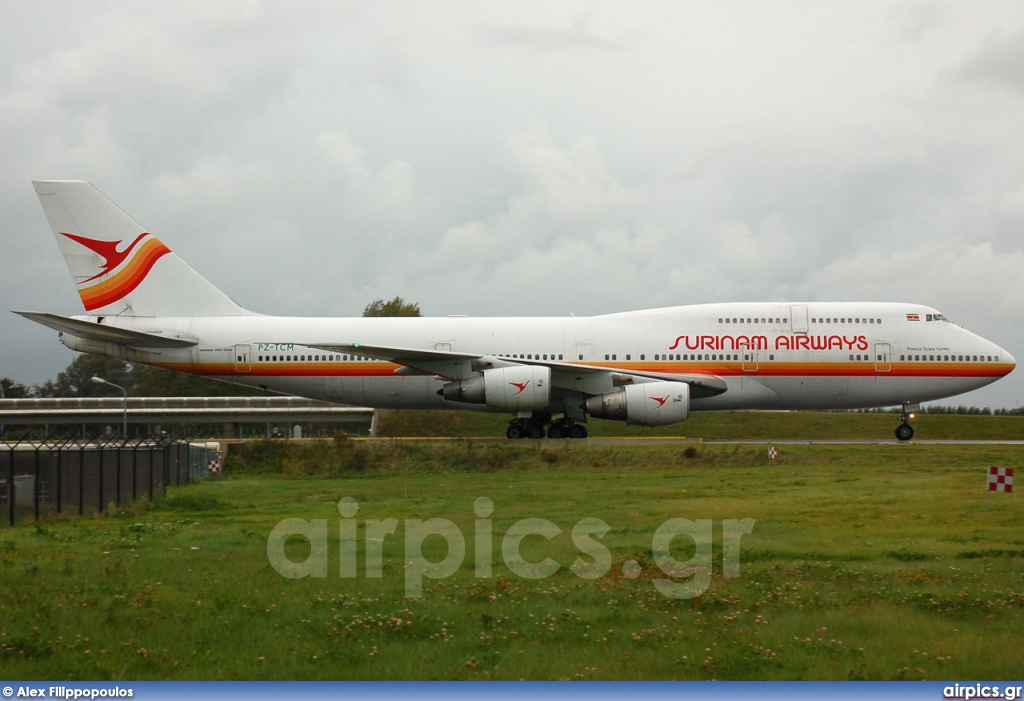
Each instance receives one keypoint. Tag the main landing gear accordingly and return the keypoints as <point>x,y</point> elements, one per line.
<point>533,427</point>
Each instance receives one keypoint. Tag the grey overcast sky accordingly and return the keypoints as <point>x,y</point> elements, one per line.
<point>528,158</point>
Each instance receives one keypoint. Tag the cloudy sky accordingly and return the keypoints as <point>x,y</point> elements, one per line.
<point>528,158</point>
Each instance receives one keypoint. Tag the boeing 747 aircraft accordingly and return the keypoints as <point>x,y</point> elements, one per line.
<point>144,304</point>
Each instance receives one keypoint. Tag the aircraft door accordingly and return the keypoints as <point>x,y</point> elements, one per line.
<point>798,317</point>
<point>749,356</point>
<point>883,357</point>
<point>584,351</point>
<point>243,358</point>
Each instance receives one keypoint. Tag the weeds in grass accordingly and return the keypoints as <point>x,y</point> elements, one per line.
<point>857,569</point>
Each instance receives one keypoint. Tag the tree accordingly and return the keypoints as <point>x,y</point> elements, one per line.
<point>74,380</point>
<point>14,390</point>
<point>396,307</point>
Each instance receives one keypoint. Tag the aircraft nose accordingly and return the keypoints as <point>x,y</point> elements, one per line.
<point>1008,360</point>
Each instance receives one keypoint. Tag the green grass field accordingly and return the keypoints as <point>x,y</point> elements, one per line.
<point>864,562</point>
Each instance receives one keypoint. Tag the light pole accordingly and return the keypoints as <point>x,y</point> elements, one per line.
<point>101,381</point>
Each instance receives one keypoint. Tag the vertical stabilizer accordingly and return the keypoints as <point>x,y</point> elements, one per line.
<point>117,266</point>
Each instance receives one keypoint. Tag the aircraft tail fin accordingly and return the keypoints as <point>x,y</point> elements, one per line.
<point>118,267</point>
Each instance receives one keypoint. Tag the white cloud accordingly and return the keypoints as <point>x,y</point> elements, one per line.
<point>531,159</point>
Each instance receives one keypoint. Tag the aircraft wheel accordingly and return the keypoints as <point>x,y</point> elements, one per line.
<point>515,431</point>
<point>904,432</point>
<point>556,431</point>
<point>534,431</point>
<point>577,431</point>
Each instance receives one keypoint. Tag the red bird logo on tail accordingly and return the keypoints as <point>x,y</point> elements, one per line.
<point>107,250</point>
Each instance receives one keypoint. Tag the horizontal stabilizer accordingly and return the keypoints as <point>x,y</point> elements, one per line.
<point>106,334</point>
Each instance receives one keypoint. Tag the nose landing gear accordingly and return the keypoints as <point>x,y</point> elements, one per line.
<point>905,431</point>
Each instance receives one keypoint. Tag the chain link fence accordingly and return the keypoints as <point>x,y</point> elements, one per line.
<point>44,474</point>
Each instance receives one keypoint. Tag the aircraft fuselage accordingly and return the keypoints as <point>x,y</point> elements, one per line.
<point>770,356</point>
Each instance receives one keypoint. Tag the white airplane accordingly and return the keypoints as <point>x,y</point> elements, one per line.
<point>144,304</point>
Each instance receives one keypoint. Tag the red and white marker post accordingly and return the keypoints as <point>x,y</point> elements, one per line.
<point>1000,479</point>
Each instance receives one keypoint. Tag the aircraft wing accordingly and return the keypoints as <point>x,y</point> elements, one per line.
<point>448,364</point>
<point>95,331</point>
<point>701,385</point>
<point>456,365</point>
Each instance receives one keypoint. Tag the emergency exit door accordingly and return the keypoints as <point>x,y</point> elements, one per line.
<point>243,359</point>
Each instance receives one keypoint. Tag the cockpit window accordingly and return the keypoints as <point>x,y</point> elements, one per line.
<point>936,317</point>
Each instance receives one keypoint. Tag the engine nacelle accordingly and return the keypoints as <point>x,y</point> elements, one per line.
<point>646,404</point>
<point>516,388</point>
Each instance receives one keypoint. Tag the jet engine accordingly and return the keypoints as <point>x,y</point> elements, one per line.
<point>646,404</point>
<point>515,388</point>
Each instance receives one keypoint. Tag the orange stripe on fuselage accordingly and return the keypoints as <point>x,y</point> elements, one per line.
<point>340,369</point>
<point>765,369</point>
